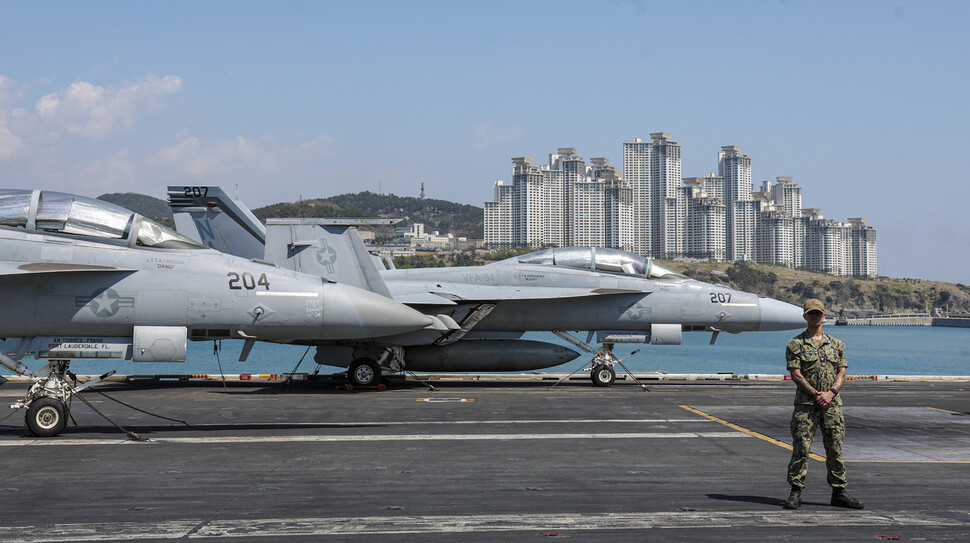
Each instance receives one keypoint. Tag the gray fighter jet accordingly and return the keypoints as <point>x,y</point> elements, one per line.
<point>621,296</point>
<point>82,279</point>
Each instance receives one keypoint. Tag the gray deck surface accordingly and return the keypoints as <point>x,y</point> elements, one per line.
<point>482,461</point>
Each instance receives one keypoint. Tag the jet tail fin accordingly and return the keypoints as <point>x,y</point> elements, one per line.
<point>330,248</point>
<point>206,214</point>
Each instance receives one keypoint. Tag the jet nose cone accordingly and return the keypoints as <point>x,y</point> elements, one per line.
<point>352,313</point>
<point>778,315</point>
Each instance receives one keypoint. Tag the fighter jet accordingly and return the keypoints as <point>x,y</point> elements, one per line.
<point>82,279</point>
<point>621,296</point>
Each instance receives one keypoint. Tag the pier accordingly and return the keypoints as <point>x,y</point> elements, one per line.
<point>910,319</point>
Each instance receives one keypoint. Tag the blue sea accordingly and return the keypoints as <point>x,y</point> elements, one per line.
<point>870,350</point>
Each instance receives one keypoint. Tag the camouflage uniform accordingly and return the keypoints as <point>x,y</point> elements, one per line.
<point>819,365</point>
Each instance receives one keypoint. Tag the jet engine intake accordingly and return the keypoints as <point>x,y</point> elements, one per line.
<point>665,334</point>
<point>159,344</point>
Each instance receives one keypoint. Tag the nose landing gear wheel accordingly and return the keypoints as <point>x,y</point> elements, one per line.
<point>46,417</point>
<point>603,375</point>
<point>363,372</point>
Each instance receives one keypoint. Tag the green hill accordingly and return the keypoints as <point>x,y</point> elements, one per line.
<point>855,295</point>
<point>147,206</point>
<point>459,219</point>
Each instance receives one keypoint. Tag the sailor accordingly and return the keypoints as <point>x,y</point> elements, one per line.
<point>817,364</point>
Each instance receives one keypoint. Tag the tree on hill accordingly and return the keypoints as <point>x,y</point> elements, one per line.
<point>462,220</point>
<point>147,206</point>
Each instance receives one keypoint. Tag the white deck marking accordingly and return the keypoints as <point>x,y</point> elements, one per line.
<point>404,524</point>
<point>23,442</point>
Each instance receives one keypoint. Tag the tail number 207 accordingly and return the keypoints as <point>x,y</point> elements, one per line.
<point>720,297</point>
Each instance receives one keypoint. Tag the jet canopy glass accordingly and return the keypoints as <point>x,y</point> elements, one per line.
<point>76,215</point>
<point>600,259</point>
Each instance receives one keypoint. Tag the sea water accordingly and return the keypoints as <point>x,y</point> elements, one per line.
<point>870,350</point>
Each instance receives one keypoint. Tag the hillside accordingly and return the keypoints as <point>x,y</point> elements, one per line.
<point>855,295</point>
<point>460,219</point>
<point>147,206</point>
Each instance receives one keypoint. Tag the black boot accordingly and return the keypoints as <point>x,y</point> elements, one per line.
<point>794,500</point>
<point>841,498</point>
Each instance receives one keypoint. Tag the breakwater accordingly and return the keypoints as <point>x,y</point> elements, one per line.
<point>915,319</point>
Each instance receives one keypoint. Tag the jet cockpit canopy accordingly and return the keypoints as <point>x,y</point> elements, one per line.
<point>601,259</point>
<point>58,212</point>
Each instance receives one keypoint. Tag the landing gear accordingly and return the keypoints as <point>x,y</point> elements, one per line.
<point>603,375</point>
<point>46,417</point>
<point>363,372</point>
<point>49,399</point>
<point>601,367</point>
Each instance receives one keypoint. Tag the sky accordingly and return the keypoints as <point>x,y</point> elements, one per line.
<point>863,103</point>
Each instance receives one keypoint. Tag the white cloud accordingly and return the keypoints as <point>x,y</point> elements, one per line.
<point>85,110</point>
<point>9,142</point>
<point>45,143</point>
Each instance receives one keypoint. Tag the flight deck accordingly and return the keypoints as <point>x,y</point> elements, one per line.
<point>481,460</point>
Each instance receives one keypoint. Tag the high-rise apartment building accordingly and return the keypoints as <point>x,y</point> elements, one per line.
<point>863,248</point>
<point>637,160</point>
<point>705,220</point>
<point>735,168</point>
<point>527,203</point>
<point>498,218</point>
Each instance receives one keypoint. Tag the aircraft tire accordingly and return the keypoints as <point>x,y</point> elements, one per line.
<point>603,375</point>
<point>363,372</point>
<point>46,417</point>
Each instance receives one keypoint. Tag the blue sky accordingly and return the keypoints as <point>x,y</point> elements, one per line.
<point>863,103</point>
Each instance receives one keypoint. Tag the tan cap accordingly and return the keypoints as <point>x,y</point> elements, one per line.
<point>813,305</point>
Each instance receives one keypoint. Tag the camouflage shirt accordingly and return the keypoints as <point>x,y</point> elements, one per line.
<point>819,364</point>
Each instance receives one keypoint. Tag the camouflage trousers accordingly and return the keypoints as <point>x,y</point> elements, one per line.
<point>805,420</point>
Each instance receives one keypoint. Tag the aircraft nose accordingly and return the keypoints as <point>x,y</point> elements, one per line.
<point>778,315</point>
<point>351,313</point>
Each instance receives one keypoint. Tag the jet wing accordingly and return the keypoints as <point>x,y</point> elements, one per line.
<point>423,298</point>
<point>472,293</point>
<point>8,268</point>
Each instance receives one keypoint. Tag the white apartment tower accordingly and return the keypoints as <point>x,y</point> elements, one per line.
<point>637,159</point>
<point>588,213</point>
<point>669,214</point>
<point>526,203</point>
<point>705,221</point>
<point>573,171</point>
<point>498,217</point>
<point>735,168</point>
<point>863,248</point>
<point>618,204</point>
<point>553,206</point>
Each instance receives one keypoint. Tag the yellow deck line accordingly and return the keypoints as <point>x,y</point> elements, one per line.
<point>751,433</point>
<point>815,456</point>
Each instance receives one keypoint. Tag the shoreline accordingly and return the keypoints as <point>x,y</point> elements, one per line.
<point>901,320</point>
<point>532,377</point>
